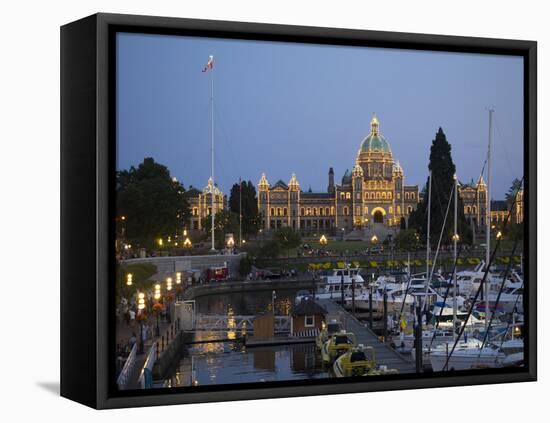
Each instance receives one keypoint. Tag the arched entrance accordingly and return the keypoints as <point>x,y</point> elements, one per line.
<point>378,216</point>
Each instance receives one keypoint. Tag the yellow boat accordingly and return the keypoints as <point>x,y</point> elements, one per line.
<point>337,345</point>
<point>359,361</point>
<point>356,361</point>
<point>327,330</point>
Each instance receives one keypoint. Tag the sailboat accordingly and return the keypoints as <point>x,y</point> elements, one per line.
<point>473,353</point>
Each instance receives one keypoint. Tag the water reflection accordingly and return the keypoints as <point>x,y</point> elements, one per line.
<point>246,303</point>
<point>227,363</point>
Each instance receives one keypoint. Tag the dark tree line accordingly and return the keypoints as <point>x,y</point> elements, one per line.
<point>443,171</point>
<point>152,203</point>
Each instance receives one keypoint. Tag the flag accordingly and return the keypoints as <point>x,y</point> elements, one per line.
<point>210,64</point>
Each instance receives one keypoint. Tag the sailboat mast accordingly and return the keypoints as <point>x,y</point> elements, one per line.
<point>240,212</point>
<point>428,227</point>
<point>488,208</point>
<point>455,242</point>
<point>212,149</point>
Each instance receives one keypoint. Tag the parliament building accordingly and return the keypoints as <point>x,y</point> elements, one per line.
<point>373,194</point>
<point>372,199</point>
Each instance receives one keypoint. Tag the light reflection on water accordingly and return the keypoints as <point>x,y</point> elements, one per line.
<point>228,362</point>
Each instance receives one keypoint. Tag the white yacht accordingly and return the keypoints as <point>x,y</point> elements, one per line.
<point>467,355</point>
<point>331,286</point>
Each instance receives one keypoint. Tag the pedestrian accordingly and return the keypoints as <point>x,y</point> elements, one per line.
<point>132,314</point>
<point>133,339</point>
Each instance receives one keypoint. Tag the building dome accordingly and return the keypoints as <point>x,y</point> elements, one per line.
<point>375,142</point>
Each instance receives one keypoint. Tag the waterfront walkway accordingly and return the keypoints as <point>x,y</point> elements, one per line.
<point>124,332</point>
<point>385,355</point>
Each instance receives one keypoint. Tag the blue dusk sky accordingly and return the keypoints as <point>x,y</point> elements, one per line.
<point>282,108</point>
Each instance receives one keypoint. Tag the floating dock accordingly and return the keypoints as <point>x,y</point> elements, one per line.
<point>385,355</point>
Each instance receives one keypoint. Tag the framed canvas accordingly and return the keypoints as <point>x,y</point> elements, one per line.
<point>258,211</point>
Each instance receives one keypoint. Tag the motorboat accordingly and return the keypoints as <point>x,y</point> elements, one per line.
<point>355,362</point>
<point>348,279</point>
<point>328,329</point>
<point>336,345</point>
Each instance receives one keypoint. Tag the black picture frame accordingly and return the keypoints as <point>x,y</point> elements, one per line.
<point>87,208</point>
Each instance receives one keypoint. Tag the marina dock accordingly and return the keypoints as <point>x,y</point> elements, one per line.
<point>385,355</point>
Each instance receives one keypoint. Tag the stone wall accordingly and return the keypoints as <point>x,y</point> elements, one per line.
<point>174,264</point>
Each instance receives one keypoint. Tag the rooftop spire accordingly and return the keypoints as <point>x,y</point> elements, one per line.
<point>374,125</point>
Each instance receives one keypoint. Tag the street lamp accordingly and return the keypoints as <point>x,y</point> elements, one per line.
<point>499,235</point>
<point>157,298</point>
<point>374,239</point>
<point>129,277</point>
<point>273,298</point>
<point>141,306</point>
<point>168,284</point>
<point>187,243</point>
<point>323,240</point>
<point>230,242</point>
<point>178,278</point>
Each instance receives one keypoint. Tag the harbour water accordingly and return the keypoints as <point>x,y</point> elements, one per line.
<point>229,362</point>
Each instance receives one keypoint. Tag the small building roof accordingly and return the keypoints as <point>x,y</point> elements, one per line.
<point>308,307</point>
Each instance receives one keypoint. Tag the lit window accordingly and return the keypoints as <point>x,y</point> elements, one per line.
<point>309,321</point>
<point>348,196</point>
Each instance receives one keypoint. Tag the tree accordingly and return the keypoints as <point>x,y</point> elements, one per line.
<point>443,171</point>
<point>513,229</point>
<point>271,249</point>
<point>153,204</point>
<point>402,223</point>
<point>141,274</point>
<point>245,199</point>
<point>513,190</point>
<point>406,239</point>
<point>287,238</point>
<point>225,222</point>
<point>245,266</point>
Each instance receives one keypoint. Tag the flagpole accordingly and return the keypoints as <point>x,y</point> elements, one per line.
<point>240,212</point>
<point>212,148</point>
